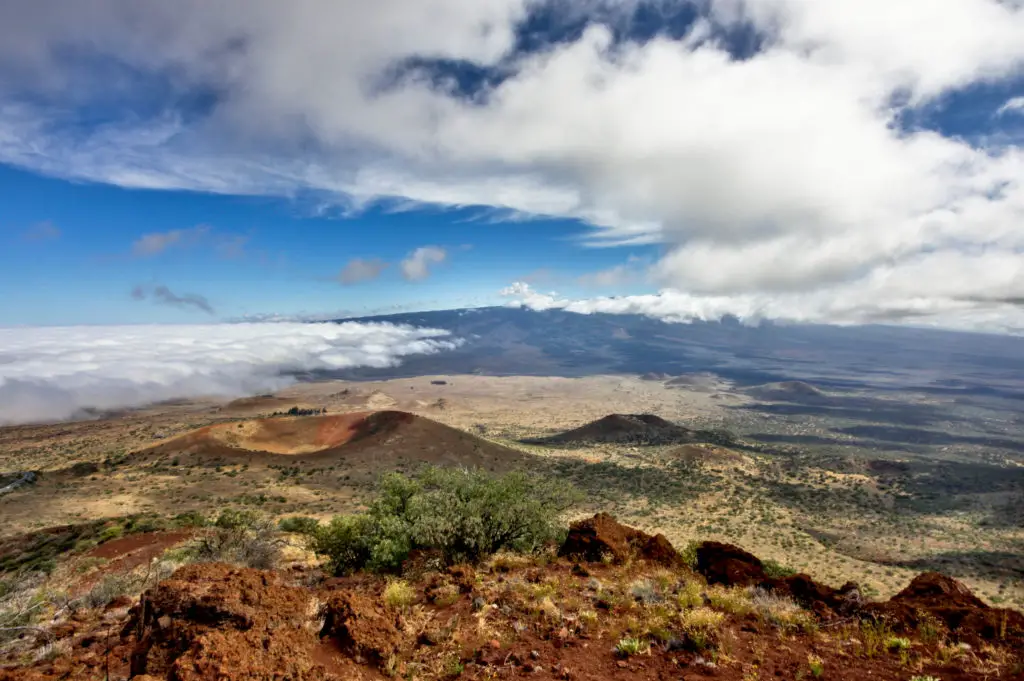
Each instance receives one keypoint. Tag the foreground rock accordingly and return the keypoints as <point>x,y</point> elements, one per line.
<point>942,598</point>
<point>732,566</point>
<point>529,617</point>
<point>594,538</point>
<point>213,621</point>
<point>930,597</point>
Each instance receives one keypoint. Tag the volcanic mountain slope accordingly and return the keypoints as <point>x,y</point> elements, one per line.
<point>615,603</point>
<point>376,440</point>
<point>646,429</point>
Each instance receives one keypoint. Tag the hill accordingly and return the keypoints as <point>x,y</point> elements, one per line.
<point>644,429</point>
<point>377,440</point>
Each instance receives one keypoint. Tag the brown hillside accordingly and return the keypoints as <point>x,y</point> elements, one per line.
<point>618,605</point>
<point>379,439</point>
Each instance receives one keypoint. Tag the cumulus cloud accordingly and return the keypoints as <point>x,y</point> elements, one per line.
<point>55,373</point>
<point>165,296</point>
<point>416,267</point>
<point>358,270</point>
<point>786,170</point>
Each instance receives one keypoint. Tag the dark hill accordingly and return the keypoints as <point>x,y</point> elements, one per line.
<point>646,429</point>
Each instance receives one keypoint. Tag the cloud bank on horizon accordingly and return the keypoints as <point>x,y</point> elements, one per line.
<point>784,153</point>
<point>51,374</point>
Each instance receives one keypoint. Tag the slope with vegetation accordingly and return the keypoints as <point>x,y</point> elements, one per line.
<point>454,574</point>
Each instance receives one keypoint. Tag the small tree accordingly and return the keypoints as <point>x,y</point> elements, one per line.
<point>463,515</point>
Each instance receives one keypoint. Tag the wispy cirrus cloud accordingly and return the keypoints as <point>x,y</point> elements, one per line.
<point>1014,105</point>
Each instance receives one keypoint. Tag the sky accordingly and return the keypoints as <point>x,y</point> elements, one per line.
<point>198,162</point>
<point>851,161</point>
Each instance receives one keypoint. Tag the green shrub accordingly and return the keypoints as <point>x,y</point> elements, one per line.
<point>462,515</point>
<point>299,525</point>
<point>776,570</point>
<point>110,533</point>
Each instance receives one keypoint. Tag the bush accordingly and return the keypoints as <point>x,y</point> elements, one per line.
<point>242,537</point>
<point>110,588</point>
<point>463,516</point>
<point>299,525</point>
<point>398,594</point>
<point>776,570</point>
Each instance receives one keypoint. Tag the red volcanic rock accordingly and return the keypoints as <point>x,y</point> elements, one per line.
<point>602,535</point>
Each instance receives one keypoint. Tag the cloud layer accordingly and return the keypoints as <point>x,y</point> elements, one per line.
<point>49,374</point>
<point>828,306</point>
<point>797,167</point>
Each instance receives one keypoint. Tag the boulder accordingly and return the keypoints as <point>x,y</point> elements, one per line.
<point>603,535</point>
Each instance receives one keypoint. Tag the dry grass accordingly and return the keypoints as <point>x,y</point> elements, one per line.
<point>399,594</point>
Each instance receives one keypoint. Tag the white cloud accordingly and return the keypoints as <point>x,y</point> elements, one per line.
<point>1014,105</point>
<point>866,303</point>
<point>416,267</point>
<point>358,270</point>
<point>54,373</point>
<point>786,172</point>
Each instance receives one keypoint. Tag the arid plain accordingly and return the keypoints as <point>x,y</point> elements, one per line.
<point>753,471</point>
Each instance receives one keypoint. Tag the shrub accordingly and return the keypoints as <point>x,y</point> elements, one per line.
<point>299,525</point>
<point>109,588</point>
<point>463,516</point>
<point>875,635</point>
<point>691,595</point>
<point>701,626</point>
<point>776,570</point>
<point>628,647</point>
<point>896,643</point>
<point>733,601</point>
<point>242,537</point>
<point>398,594</point>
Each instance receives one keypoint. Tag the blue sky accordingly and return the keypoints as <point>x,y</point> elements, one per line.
<point>839,162</point>
<point>69,255</point>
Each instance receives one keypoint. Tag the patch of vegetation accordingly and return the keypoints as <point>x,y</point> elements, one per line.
<point>242,537</point>
<point>463,516</point>
<point>299,525</point>
<point>398,594</point>
<point>628,647</point>
<point>39,551</point>
<point>776,570</point>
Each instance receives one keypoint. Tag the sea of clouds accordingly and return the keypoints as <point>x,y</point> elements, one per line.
<point>54,373</point>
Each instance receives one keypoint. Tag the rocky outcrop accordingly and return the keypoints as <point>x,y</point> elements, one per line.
<point>732,566</point>
<point>594,538</point>
<point>950,602</point>
<point>214,621</point>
